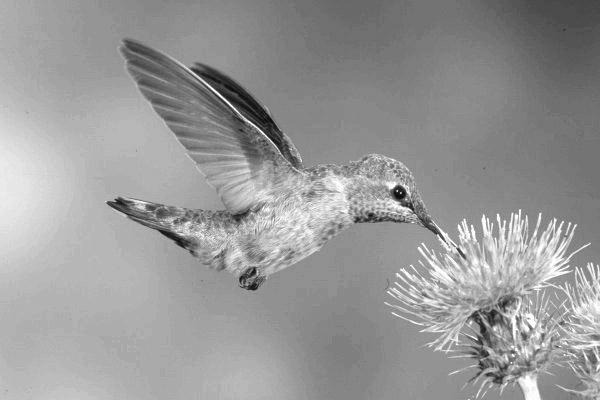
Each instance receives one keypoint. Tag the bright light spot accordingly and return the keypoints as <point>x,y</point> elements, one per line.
<point>33,181</point>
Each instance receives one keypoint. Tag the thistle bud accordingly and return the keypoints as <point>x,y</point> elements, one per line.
<point>582,330</point>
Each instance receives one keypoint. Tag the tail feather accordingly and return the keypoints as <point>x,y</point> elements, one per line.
<point>169,221</point>
<point>187,228</point>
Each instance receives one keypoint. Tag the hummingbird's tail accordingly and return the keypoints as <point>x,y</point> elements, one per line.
<point>168,220</point>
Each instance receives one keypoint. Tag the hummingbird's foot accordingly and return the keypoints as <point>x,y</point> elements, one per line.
<point>251,279</point>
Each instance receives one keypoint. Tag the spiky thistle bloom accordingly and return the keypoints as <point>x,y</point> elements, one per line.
<point>582,330</point>
<point>482,301</point>
<point>506,265</point>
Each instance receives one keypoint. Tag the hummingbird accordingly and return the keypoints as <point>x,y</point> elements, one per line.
<point>277,211</point>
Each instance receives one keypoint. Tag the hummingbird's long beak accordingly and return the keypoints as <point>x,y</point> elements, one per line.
<point>432,226</point>
<point>426,220</point>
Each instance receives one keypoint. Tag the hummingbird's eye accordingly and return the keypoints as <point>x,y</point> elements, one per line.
<point>399,192</point>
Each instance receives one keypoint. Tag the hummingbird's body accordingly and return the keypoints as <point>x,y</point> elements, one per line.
<point>278,211</point>
<point>275,236</point>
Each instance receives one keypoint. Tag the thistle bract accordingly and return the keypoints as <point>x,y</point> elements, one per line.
<point>513,341</point>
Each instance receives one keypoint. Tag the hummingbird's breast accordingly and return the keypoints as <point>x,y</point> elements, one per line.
<point>293,227</point>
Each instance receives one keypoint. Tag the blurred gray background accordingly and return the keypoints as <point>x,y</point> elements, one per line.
<point>493,105</point>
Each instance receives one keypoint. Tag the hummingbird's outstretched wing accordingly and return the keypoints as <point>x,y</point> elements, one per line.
<point>251,109</point>
<point>245,165</point>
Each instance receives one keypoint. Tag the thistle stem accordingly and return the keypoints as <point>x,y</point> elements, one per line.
<point>529,387</point>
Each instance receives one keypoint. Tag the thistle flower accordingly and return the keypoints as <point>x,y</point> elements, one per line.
<point>495,271</point>
<point>582,330</point>
<point>482,302</point>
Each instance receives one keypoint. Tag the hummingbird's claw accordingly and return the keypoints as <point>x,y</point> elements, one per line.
<point>251,279</point>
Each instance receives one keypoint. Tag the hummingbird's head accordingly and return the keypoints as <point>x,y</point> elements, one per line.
<point>383,189</point>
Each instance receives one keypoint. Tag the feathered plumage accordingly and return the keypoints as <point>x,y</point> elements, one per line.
<point>277,211</point>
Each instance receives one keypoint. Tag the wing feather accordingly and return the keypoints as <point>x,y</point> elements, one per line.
<point>245,165</point>
<point>251,109</point>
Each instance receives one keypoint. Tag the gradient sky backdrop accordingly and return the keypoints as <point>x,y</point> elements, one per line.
<point>495,106</point>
